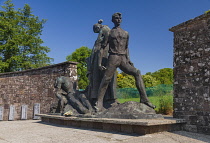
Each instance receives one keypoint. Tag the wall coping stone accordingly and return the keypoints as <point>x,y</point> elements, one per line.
<point>35,69</point>
<point>190,22</point>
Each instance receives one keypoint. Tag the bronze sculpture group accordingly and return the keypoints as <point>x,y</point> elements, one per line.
<point>110,52</point>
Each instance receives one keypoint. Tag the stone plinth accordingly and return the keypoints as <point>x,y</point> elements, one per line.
<point>139,126</point>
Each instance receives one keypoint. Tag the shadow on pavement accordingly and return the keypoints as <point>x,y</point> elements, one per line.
<point>197,136</point>
<point>80,128</point>
<point>174,134</point>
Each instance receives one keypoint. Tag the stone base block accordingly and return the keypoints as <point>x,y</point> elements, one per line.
<point>138,126</point>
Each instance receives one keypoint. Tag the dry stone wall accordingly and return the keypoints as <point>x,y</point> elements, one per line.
<point>192,73</point>
<point>32,86</point>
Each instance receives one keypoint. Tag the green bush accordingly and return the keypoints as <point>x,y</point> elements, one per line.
<point>165,104</point>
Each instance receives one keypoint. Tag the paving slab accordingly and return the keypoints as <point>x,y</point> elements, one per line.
<point>35,131</point>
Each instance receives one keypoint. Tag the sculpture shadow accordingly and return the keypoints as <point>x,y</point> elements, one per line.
<point>174,134</point>
<point>196,136</point>
<point>88,129</point>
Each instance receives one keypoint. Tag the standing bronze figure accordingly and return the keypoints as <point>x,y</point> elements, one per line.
<point>96,66</point>
<point>119,57</point>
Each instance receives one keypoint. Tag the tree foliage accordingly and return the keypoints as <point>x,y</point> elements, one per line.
<point>149,81</point>
<point>80,56</point>
<point>125,81</point>
<point>128,81</point>
<point>164,76</point>
<point>20,42</point>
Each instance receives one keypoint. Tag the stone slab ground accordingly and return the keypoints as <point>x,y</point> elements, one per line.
<point>35,131</point>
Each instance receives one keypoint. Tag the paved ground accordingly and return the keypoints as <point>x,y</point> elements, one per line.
<point>33,131</point>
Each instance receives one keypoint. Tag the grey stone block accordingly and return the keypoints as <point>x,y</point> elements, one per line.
<point>11,112</point>
<point>36,111</point>
<point>24,109</point>
<point>1,113</point>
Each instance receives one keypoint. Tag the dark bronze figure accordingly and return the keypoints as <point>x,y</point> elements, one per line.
<point>97,63</point>
<point>119,57</point>
<point>66,93</point>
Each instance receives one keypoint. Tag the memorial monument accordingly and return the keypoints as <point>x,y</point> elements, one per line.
<point>110,52</point>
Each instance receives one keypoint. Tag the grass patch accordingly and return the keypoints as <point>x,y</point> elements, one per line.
<point>163,103</point>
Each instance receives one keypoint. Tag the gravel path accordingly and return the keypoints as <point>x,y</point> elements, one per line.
<point>35,131</point>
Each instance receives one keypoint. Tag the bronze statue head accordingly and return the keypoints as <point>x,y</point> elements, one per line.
<point>97,26</point>
<point>117,19</point>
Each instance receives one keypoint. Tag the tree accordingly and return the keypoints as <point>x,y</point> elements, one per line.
<point>80,56</point>
<point>149,81</point>
<point>20,42</point>
<point>164,76</point>
<point>125,81</point>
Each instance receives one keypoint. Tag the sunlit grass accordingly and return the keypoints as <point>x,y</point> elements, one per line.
<point>163,103</point>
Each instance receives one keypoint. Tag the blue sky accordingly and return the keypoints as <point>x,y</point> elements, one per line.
<point>69,26</point>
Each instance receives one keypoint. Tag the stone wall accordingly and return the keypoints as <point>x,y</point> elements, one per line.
<point>32,86</point>
<point>192,73</point>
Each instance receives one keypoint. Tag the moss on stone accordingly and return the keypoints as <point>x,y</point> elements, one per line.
<point>206,12</point>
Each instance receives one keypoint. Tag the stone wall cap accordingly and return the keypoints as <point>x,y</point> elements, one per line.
<point>45,67</point>
<point>191,21</point>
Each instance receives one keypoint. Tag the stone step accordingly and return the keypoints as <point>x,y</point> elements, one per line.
<point>138,126</point>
